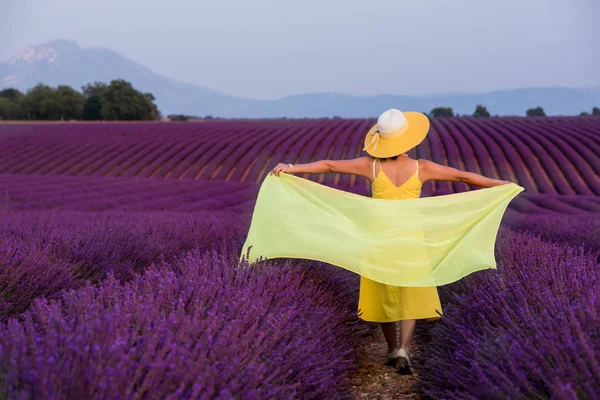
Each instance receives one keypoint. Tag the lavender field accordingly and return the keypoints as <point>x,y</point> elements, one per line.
<point>119,277</point>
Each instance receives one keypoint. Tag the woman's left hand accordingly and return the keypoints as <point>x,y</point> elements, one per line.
<point>281,167</point>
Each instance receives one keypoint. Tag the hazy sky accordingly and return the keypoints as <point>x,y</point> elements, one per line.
<point>271,48</point>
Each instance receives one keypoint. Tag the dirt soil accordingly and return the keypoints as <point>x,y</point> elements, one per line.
<point>373,380</point>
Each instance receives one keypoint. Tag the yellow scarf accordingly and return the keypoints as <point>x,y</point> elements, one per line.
<point>417,242</point>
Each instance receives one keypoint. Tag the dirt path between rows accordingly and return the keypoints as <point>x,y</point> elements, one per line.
<point>373,380</point>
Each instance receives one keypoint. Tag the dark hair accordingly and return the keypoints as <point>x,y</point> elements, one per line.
<point>388,158</point>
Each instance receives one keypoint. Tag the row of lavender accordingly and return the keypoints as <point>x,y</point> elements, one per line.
<point>556,155</point>
<point>45,252</point>
<point>30,192</point>
<point>530,330</point>
<point>154,305</point>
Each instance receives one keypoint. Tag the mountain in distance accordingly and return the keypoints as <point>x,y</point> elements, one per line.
<point>67,62</point>
<point>64,62</point>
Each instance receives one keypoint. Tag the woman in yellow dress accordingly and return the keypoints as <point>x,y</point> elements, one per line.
<point>394,175</point>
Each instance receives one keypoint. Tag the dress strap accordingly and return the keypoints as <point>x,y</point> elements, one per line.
<point>374,161</point>
<point>417,161</point>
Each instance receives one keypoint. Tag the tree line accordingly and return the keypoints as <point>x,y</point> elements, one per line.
<point>482,111</point>
<point>120,101</point>
<point>98,101</point>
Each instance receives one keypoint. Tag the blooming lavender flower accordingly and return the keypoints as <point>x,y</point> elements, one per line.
<point>531,330</point>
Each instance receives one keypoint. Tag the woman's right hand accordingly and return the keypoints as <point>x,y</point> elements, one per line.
<point>281,167</point>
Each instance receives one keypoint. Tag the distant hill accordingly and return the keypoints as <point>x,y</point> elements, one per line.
<point>67,62</point>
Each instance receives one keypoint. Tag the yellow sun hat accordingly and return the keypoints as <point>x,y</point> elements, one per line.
<point>396,132</point>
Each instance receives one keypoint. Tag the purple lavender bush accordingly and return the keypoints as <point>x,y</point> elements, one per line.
<point>19,192</point>
<point>198,327</point>
<point>43,252</point>
<point>571,229</point>
<point>531,329</point>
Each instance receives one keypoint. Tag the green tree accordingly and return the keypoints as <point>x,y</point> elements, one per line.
<point>116,101</point>
<point>595,111</point>
<point>68,102</point>
<point>150,108</point>
<point>13,95</point>
<point>441,112</point>
<point>11,104</point>
<point>179,117</point>
<point>93,101</point>
<point>584,114</point>
<point>5,108</point>
<point>45,103</point>
<point>536,112</point>
<point>38,103</point>
<point>121,102</point>
<point>481,111</point>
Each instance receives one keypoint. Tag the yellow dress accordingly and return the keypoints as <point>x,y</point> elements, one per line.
<point>379,302</point>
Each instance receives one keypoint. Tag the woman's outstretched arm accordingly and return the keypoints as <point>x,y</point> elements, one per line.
<point>356,166</point>
<point>432,171</point>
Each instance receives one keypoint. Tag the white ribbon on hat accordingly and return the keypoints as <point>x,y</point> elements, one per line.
<point>391,123</point>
